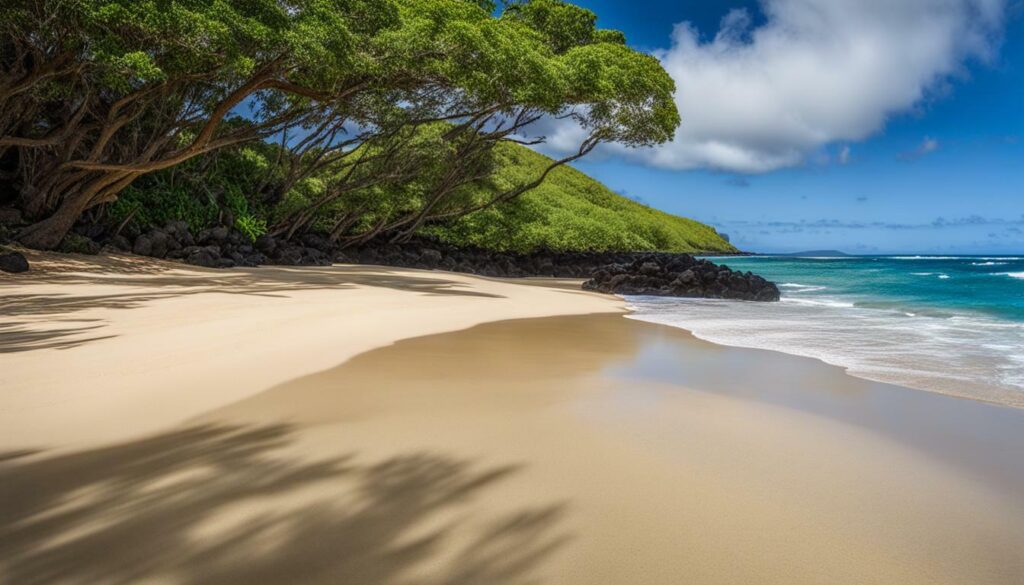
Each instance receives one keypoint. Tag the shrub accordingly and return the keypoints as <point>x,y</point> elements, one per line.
<point>252,227</point>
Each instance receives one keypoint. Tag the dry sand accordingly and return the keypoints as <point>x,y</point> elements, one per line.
<point>572,449</point>
<point>94,350</point>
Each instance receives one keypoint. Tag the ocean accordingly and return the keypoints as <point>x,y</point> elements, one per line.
<point>950,324</point>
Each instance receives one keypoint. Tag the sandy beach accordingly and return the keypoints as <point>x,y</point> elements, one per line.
<point>354,424</point>
<point>149,344</point>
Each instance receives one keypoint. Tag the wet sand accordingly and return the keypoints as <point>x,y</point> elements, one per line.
<point>580,449</point>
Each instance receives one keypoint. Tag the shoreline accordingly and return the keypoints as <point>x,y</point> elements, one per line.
<point>137,280</point>
<point>455,429</point>
<point>1006,399</point>
<point>941,324</point>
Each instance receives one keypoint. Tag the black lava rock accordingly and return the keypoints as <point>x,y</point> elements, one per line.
<point>13,262</point>
<point>631,273</point>
<point>659,274</point>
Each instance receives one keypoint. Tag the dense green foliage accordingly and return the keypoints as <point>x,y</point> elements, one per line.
<point>203,192</point>
<point>385,115</point>
<point>570,212</point>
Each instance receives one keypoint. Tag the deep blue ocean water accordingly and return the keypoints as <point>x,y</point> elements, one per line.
<point>952,324</point>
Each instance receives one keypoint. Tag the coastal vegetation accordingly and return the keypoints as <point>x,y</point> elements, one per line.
<point>356,119</point>
<point>571,211</point>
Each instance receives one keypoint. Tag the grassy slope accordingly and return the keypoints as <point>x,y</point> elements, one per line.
<point>572,211</point>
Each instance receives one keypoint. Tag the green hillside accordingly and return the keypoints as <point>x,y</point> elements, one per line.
<point>571,211</point>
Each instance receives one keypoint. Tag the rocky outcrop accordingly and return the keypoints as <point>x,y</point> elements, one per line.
<point>681,276</point>
<point>217,247</point>
<point>640,273</point>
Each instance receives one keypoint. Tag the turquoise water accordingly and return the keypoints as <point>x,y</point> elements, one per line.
<point>949,324</point>
<point>940,285</point>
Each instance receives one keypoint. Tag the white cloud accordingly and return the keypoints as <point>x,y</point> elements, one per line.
<point>759,98</point>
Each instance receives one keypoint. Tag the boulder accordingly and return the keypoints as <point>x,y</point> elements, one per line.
<point>143,246</point>
<point>207,256</point>
<point>160,243</point>
<point>120,242</point>
<point>266,244</point>
<point>431,258</point>
<point>650,268</point>
<point>13,262</point>
<point>178,232</point>
<point>217,236</point>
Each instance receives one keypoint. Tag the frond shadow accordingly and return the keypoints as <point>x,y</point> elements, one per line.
<point>217,504</point>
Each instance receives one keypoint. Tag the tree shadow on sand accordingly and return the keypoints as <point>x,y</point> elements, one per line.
<point>215,504</point>
<point>16,337</point>
<point>150,281</point>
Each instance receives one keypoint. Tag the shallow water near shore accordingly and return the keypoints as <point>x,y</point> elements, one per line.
<point>590,449</point>
<point>949,324</point>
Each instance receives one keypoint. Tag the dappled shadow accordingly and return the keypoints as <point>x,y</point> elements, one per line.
<point>25,305</point>
<point>15,337</point>
<point>48,264</point>
<point>217,504</point>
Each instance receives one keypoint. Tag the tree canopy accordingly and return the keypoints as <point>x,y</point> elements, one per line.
<point>362,98</point>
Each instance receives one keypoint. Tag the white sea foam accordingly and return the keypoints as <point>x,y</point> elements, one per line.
<point>1012,274</point>
<point>801,288</point>
<point>819,302</point>
<point>962,354</point>
<point>989,263</point>
<point>924,258</point>
<point>943,276</point>
<point>994,258</point>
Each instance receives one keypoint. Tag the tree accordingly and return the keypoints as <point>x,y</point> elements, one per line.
<point>539,59</point>
<point>96,93</point>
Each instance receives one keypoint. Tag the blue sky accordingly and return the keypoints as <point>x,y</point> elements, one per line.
<point>900,137</point>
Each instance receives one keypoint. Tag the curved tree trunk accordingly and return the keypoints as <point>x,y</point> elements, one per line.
<point>48,233</point>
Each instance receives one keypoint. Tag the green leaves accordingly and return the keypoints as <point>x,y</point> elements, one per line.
<point>562,25</point>
<point>630,96</point>
<point>150,85</point>
<point>571,211</point>
<point>250,226</point>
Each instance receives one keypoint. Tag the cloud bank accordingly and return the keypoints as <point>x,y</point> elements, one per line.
<point>756,98</point>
